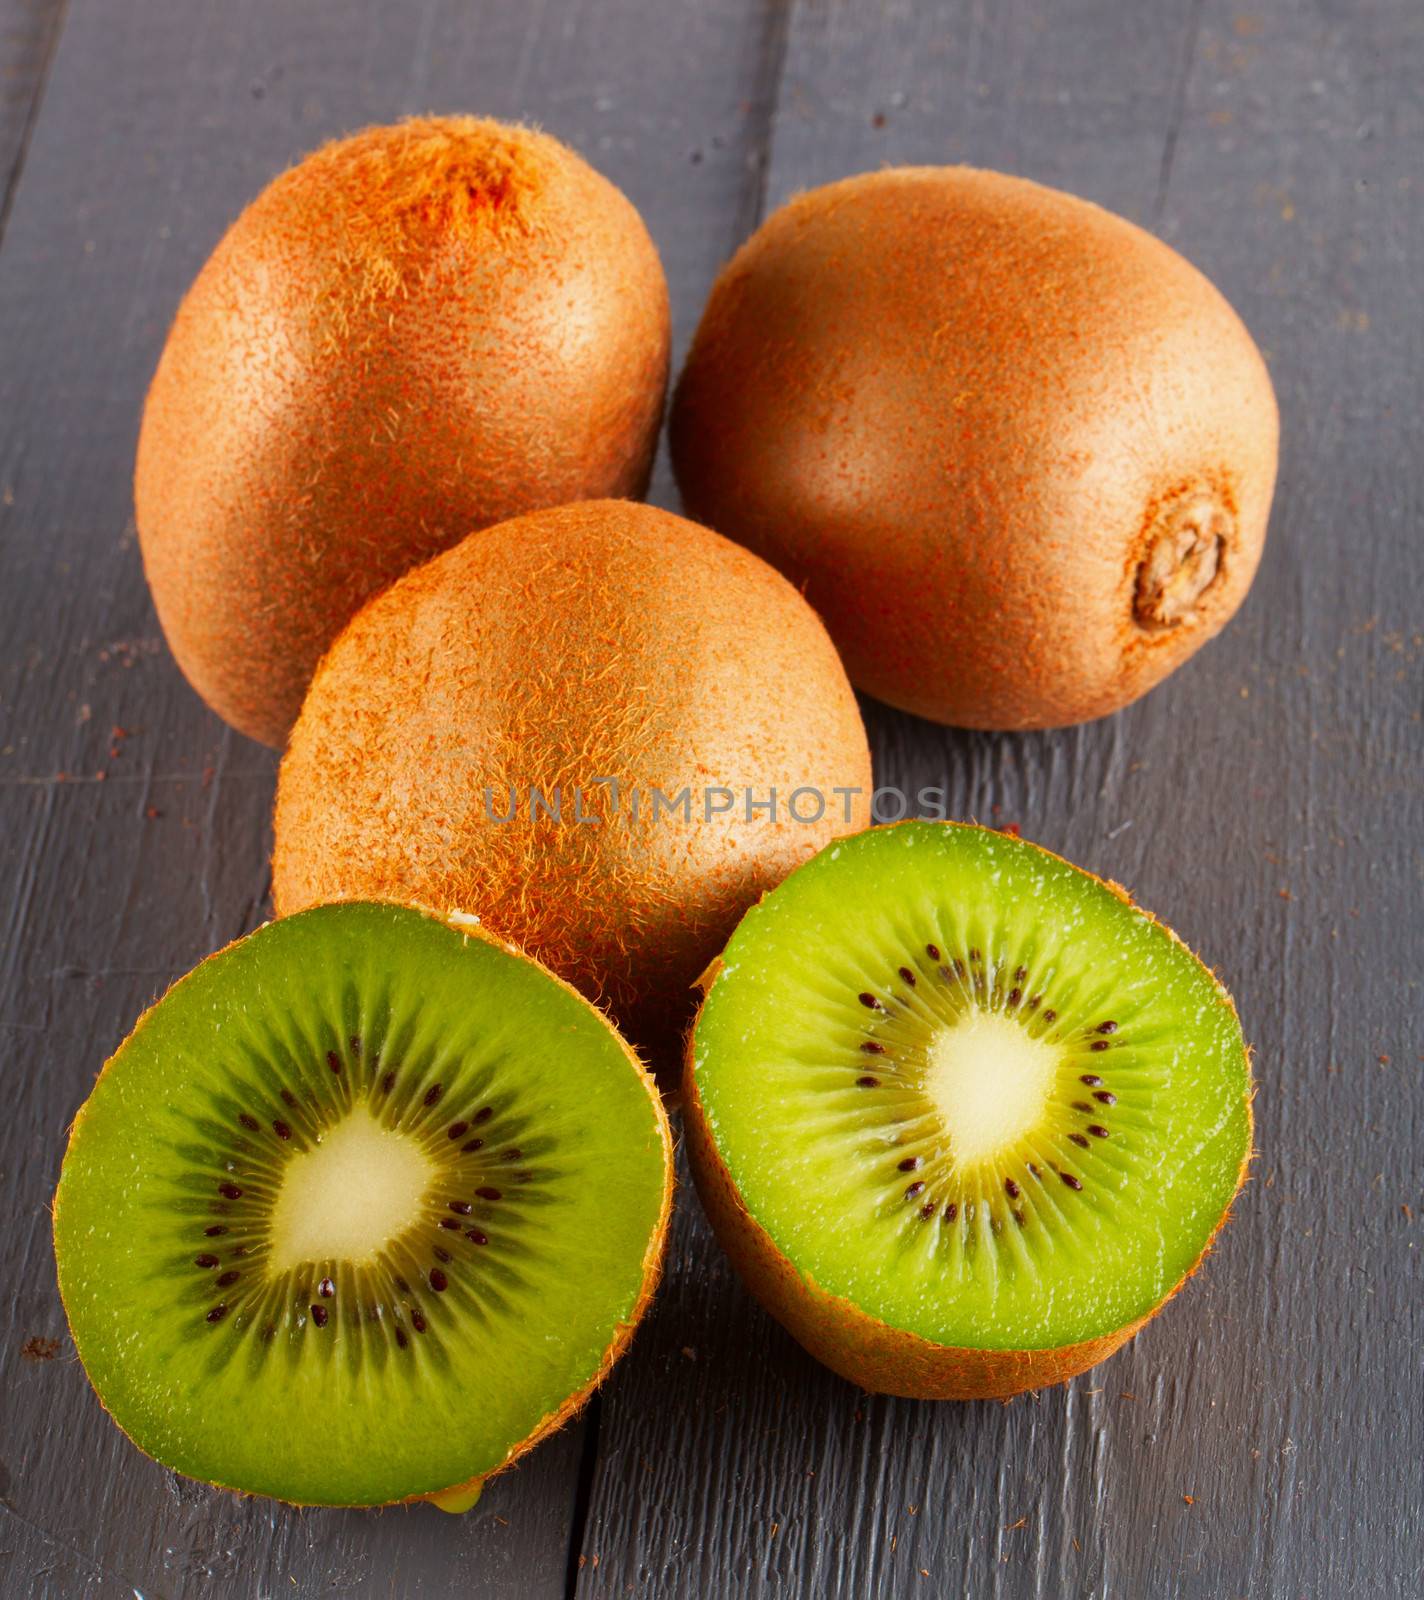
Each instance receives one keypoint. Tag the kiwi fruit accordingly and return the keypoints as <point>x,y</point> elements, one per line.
<point>363,1207</point>
<point>574,726</point>
<point>416,332</point>
<point>963,1115</point>
<point>1019,453</point>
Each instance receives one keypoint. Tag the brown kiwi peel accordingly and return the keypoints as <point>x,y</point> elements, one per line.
<point>375,361</point>
<point>1018,451</point>
<point>595,640</point>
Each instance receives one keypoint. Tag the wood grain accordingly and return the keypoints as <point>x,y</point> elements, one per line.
<point>1263,1437</point>
<point>28,30</point>
<point>126,856</point>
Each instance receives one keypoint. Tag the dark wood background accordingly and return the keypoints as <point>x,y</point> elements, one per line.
<point>1263,1438</point>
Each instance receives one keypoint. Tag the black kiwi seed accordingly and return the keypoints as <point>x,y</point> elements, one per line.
<point>433,1093</point>
<point>326,1288</point>
<point>1033,1168</point>
<point>402,1285</point>
<point>205,1261</point>
<point>417,1321</point>
<point>484,1114</point>
<point>215,1230</point>
<point>1090,1078</point>
<point>449,1222</point>
<point>1107,1027</point>
<point>1080,1140</point>
<point>250,1123</point>
<point>355,1042</point>
<point>914,1189</point>
<point>281,1129</point>
<point>441,1255</point>
<point>951,1211</point>
<point>333,1061</point>
<point>1081,1105</point>
<point>910,1164</point>
<point>229,1191</point>
<point>1070,1180</point>
<point>1015,996</point>
<point>476,1237</point>
<point>438,1281</point>
<point>461,1208</point>
<point>932,951</point>
<point>228,1279</point>
<point>908,976</point>
<point>1100,1044</point>
<point>1035,1001</point>
<point>1105,1097</point>
<point>217,1314</point>
<point>1097,1130</point>
<point>471,1145</point>
<point>867,1083</point>
<point>1050,1016</point>
<point>873,1047</point>
<point>401,1338</point>
<point>489,1194</point>
<point>1011,1189</point>
<point>927,1211</point>
<point>388,1083</point>
<point>288,1098</point>
<point>1020,973</point>
<point>869,1001</point>
<point>511,1155</point>
<point>457,1130</point>
<point>318,1315</point>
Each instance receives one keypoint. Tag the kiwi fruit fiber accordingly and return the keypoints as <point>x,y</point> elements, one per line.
<point>416,332</point>
<point>1019,453</point>
<point>588,659</point>
<point>363,1207</point>
<point>962,1114</point>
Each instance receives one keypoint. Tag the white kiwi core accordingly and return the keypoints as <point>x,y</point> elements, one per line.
<point>347,1198</point>
<point>989,1080</point>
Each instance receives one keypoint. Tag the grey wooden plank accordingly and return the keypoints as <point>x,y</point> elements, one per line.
<point>126,855</point>
<point>28,30</point>
<point>1263,1437</point>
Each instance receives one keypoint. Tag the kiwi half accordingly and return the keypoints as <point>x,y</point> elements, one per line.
<point>963,1115</point>
<point>363,1207</point>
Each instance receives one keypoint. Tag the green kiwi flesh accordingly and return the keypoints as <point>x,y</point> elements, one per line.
<point>360,1207</point>
<point>971,1091</point>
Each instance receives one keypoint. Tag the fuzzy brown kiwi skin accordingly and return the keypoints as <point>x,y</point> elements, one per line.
<point>550,652</point>
<point>858,1347</point>
<point>417,331</point>
<point>653,1257</point>
<point>973,417</point>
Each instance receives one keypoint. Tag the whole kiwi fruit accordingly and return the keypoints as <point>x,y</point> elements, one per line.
<point>962,1114</point>
<point>1019,453</point>
<point>601,729</point>
<point>362,1208</point>
<point>417,331</point>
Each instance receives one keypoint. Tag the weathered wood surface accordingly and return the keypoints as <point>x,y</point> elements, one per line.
<point>28,30</point>
<point>1264,1437</point>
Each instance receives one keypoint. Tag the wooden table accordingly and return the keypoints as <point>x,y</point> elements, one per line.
<point>1263,1438</point>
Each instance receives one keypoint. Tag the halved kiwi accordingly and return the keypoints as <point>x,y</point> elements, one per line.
<point>963,1115</point>
<point>364,1206</point>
